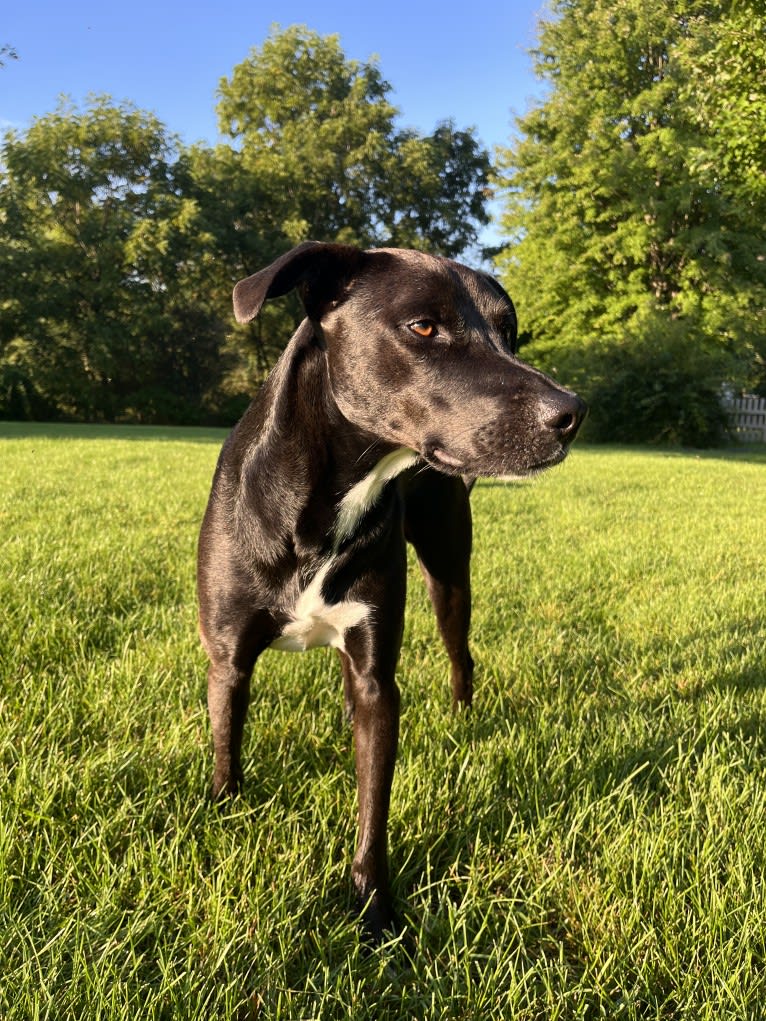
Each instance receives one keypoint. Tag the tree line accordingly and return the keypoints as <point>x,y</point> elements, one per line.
<point>636,211</point>
<point>634,197</point>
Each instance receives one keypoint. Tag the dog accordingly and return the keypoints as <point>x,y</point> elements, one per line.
<point>397,391</point>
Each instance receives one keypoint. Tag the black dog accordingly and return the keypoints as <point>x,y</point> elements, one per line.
<point>397,391</point>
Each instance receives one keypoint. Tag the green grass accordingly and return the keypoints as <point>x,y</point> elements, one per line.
<point>588,842</point>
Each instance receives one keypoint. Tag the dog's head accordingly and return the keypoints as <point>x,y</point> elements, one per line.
<point>420,353</point>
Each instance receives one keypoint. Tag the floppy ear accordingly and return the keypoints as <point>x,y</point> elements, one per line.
<point>320,269</point>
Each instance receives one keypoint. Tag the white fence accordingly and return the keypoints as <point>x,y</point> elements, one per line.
<point>747,417</point>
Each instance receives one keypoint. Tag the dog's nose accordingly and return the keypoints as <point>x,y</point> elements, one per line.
<point>567,417</point>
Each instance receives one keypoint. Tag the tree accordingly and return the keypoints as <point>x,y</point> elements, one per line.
<point>122,246</point>
<point>102,318</point>
<point>314,152</point>
<point>314,128</point>
<point>437,191</point>
<point>621,238</point>
<point>725,87</point>
<point>318,134</point>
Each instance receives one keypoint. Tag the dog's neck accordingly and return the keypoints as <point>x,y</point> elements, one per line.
<point>365,493</point>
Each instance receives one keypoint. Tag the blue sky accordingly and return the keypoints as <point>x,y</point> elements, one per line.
<point>169,57</point>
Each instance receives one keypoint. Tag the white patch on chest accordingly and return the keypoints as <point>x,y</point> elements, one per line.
<point>366,492</point>
<point>315,622</point>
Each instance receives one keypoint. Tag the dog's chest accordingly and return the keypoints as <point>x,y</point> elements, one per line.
<point>313,620</point>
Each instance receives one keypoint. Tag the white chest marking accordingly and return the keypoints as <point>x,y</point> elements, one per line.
<point>364,494</point>
<point>315,622</point>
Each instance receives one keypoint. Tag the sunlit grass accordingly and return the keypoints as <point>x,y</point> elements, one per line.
<point>587,842</point>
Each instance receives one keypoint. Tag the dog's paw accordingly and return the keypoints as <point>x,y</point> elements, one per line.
<point>224,788</point>
<point>378,920</point>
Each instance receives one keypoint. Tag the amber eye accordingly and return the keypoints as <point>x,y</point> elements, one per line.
<point>424,328</point>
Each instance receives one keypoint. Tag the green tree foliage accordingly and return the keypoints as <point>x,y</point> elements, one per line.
<point>434,191</point>
<point>101,314</point>
<point>313,151</point>
<point>318,137</point>
<point>314,130</point>
<point>635,209</point>
<point>725,86</point>
<point>122,246</point>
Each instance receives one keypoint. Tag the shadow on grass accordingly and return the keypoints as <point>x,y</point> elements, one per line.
<point>754,453</point>
<point>80,431</point>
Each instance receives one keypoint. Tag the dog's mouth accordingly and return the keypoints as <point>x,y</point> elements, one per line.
<point>443,460</point>
<point>446,460</point>
<point>514,467</point>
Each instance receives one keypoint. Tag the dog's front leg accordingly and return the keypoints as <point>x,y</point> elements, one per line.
<point>376,733</point>
<point>369,661</point>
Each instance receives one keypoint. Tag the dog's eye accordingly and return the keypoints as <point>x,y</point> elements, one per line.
<point>424,328</point>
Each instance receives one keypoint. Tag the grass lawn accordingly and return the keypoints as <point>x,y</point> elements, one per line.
<point>588,842</point>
